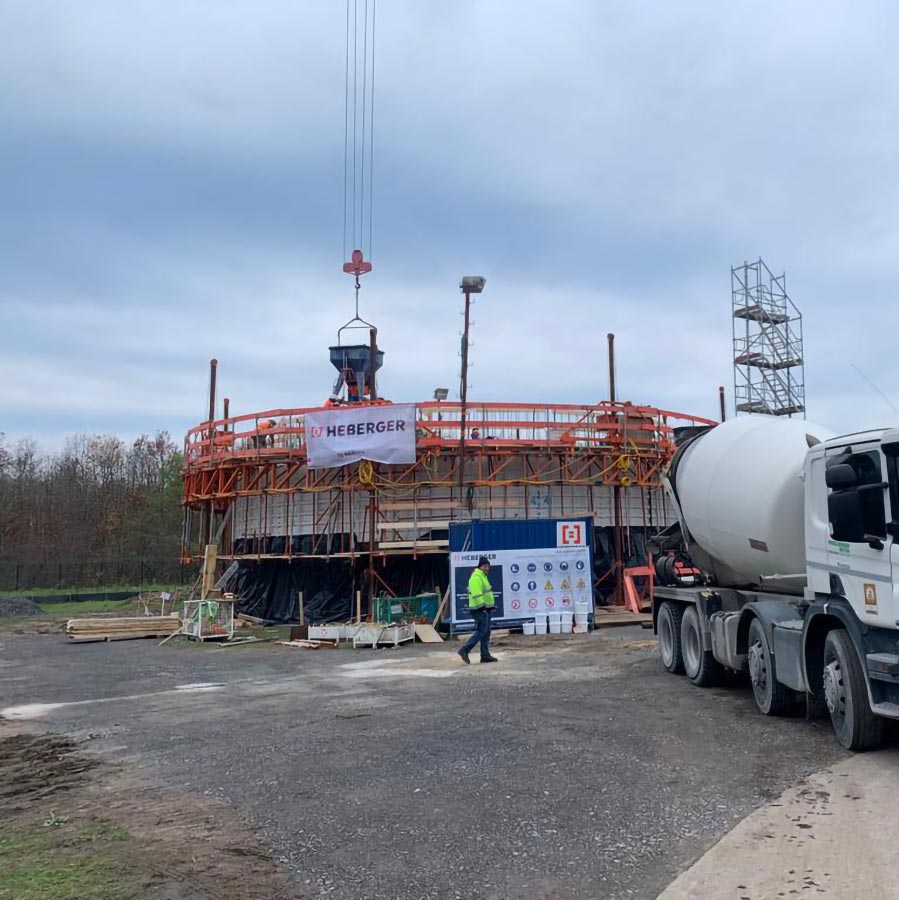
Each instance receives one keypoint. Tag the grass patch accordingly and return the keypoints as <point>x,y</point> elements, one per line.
<point>37,593</point>
<point>75,608</point>
<point>54,613</point>
<point>69,862</point>
<point>104,831</point>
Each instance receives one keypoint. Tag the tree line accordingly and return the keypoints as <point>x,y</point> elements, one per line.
<point>98,512</point>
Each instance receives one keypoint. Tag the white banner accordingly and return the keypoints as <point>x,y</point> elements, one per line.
<point>527,582</point>
<point>346,434</point>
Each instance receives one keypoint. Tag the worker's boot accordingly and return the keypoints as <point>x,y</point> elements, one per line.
<point>489,659</point>
<point>464,654</point>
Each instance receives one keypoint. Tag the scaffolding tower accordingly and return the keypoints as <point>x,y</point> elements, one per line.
<point>769,368</point>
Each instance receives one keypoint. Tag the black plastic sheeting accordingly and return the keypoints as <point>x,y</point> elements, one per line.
<point>604,557</point>
<point>269,588</point>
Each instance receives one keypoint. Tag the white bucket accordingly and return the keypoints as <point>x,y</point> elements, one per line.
<point>567,622</point>
<point>540,624</point>
<point>528,628</point>
<point>555,625</point>
<point>582,619</point>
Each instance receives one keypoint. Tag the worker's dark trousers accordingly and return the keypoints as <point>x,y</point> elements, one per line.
<point>482,634</point>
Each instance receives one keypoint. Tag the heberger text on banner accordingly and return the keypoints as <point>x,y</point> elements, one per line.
<point>337,437</point>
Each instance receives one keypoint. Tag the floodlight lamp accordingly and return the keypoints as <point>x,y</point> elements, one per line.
<point>441,393</point>
<point>472,284</point>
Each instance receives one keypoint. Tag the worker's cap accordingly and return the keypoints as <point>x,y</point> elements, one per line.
<point>483,561</point>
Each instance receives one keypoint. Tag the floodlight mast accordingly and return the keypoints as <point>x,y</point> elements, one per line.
<point>470,284</point>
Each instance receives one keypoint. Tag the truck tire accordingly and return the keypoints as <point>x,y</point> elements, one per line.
<point>771,697</point>
<point>669,625</point>
<point>700,666</point>
<point>846,694</point>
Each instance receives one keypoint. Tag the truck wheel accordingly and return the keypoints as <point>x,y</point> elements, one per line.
<point>699,665</point>
<point>855,726</point>
<point>771,697</point>
<point>669,625</point>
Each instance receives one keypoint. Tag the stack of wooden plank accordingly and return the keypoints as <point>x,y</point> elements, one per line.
<point>307,645</point>
<point>122,629</point>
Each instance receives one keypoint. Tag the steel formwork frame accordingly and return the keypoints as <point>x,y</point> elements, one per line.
<point>769,362</point>
<point>509,445</point>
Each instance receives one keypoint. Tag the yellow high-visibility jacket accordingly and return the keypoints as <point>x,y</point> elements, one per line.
<point>480,593</point>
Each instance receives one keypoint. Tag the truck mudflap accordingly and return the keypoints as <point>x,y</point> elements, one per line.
<point>788,659</point>
<point>724,627</point>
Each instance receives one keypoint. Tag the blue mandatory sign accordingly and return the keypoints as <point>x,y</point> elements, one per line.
<point>579,565</point>
<point>563,566</point>
<point>516,586</point>
<point>532,567</point>
<point>547,567</point>
<point>515,568</point>
<point>532,585</point>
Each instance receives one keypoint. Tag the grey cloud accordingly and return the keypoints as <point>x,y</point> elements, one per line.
<point>172,184</point>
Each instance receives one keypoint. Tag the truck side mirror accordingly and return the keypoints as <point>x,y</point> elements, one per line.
<point>840,477</point>
<point>844,510</point>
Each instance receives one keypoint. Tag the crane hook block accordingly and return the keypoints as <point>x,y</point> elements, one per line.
<point>357,265</point>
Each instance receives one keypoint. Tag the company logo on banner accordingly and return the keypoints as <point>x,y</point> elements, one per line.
<point>571,534</point>
<point>337,437</point>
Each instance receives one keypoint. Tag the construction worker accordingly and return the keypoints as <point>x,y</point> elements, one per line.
<point>263,438</point>
<point>480,605</point>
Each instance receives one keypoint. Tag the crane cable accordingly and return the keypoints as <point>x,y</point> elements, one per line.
<point>358,139</point>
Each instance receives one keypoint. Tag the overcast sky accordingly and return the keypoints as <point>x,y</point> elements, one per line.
<point>171,178</point>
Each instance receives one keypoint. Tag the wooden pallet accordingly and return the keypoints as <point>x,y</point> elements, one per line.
<point>617,616</point>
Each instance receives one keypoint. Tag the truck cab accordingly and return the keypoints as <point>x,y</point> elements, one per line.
<point>852,522</point>
<point>852,575</point>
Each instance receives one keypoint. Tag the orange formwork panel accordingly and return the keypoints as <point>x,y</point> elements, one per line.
<point>516,455</point>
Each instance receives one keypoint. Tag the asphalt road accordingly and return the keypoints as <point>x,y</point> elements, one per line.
<point>576,770</point>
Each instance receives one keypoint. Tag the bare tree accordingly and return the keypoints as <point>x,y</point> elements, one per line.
<point>96,510</point>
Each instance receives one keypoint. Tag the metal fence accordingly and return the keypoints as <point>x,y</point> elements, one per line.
<point>90,572</point>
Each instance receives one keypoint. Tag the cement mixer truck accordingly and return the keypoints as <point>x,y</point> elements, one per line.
<point>795,536</point>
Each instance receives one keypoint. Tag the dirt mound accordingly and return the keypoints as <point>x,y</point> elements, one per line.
<point>19,606</point>
<point>37,766</point>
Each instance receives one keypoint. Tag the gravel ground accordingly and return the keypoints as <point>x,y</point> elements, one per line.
<point>13,607</point>
<point>574,769</point>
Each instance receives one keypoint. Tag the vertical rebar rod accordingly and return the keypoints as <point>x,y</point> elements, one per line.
<point>209,512</point>
<point>616,490</point>
<point>213,368</point>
